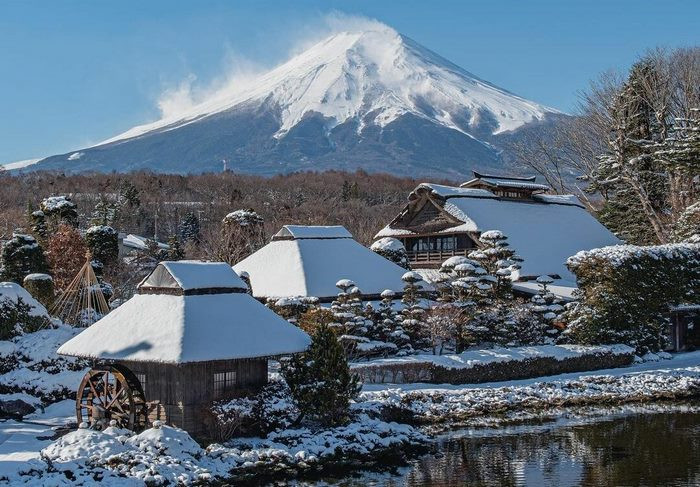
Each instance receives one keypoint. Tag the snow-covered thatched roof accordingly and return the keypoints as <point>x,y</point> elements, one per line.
<point>311,260</point>
<point>188,311</point>
<point>545,231</point>
<point>308,231</point>
<point>189,275</point>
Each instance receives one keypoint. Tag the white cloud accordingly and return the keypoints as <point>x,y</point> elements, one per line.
<point>239,72</point>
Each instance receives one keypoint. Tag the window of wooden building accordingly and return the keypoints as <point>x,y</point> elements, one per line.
<point>429,244</point>
<point>224,381</point>
<point>142,379</point>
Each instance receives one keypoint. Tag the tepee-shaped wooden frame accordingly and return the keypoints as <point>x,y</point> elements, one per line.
<point>82,303</point>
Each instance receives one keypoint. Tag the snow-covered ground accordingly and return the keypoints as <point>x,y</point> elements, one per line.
<point>163,453</point>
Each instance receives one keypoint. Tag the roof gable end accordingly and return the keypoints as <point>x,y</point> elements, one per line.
<point>192,277</point>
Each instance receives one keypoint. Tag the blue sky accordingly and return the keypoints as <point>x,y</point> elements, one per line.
<point>77,72</point>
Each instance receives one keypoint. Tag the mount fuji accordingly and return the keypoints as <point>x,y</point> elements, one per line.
<point>370,99</point>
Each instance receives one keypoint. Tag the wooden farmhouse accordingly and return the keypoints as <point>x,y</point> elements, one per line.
<point>444,221</point>
<point>307,261</point>
<point>191,335</point>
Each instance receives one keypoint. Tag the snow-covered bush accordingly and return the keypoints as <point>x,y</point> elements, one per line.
<point>505,323</point>
<point>392,249</point>
<point>444,322</point>
<point>40,230</point>
<point>40,286</point>
<point>626,291</point>
<point>19,311</point>
<point>31,366</point>
<point>20,256</point>
<point>231,418</point>
<point>293,307</point>
<point>274,407</point>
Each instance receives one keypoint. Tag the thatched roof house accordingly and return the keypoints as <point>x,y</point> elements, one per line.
<point>442,221</point>
<point>191,335</point>
<point>309,260</point>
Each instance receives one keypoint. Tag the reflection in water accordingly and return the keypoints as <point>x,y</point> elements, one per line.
<point>640,449</point>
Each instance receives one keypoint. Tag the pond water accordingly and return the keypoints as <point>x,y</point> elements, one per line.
<point>630,449</point>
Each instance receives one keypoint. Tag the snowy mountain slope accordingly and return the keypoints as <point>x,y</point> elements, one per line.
<point>357,99</point>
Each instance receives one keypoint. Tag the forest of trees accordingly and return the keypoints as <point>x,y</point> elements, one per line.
<point>161,205</point>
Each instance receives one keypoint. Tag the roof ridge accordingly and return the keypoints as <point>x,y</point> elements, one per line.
<point>479,175</point>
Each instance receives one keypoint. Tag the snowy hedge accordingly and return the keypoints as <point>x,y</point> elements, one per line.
<point>626,291</point>
<point>498,364</point>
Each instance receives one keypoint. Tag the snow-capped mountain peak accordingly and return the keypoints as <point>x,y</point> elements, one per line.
<point>367,98</point>
<point>373,76</point>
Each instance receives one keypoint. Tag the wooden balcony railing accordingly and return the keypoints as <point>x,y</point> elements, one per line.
<point>433,257</point>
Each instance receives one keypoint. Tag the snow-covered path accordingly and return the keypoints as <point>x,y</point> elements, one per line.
<point>678,361</point>
<point>21,442</point>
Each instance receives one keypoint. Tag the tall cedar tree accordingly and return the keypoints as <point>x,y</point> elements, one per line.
<point>66,255</point>
<point>631,177</point>
<point>320,379</point>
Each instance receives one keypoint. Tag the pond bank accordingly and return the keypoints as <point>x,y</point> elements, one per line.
<point>165,454</point>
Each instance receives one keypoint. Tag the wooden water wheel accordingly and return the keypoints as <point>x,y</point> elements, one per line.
<point>111,392</point>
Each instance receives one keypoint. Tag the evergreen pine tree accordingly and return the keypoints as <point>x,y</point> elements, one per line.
<point>103,242</point>
<point>351,326</point>
<point>633,181</point>
<point>105,212</point>
<point>547,306</point>
<point>60,210</point>
<point>688,224</point>
<point>389,326</point>
<point>189,228</point>
<point>498,260</point>
<point>175,250</point>
<point>40,229</point>
<point>413,313</point>
<point>320,380</point>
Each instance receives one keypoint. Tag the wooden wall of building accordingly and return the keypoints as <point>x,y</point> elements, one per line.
<point>180,394</point>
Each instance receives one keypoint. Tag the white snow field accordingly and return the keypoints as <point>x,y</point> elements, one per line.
<point>9,166</point>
